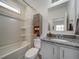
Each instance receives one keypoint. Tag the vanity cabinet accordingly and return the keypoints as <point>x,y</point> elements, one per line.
<point>68,53</point>
<point>51,50</point>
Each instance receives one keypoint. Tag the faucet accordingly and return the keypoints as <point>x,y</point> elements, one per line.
<point>59,36</point>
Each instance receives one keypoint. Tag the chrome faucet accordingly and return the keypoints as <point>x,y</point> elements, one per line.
<point>59,36</point>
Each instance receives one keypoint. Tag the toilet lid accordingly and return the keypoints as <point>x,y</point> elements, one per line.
<point>31,52</point>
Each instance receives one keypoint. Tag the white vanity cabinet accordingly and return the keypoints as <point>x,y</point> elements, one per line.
<point>51,50</point>
<point>69,53</point>
<point>48,51</point>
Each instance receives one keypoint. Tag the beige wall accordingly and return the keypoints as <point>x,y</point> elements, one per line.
<point>41,7</point>
<point>10,27</point>
<point>25,18</point>
<point>28,22</point>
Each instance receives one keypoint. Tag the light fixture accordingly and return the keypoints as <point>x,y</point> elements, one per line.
<point>9,7</point>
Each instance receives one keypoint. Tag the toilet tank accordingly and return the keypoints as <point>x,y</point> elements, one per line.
<point>37,43</point>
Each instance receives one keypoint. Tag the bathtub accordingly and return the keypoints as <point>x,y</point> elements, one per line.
<point>14,51</point>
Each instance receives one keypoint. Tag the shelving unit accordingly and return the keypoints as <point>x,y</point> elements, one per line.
<point>37,25</point>
<point>58,3</point>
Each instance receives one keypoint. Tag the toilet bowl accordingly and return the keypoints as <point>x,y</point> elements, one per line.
<point>33,52</point>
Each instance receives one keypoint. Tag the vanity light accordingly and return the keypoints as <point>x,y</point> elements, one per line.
<point>9,7</point>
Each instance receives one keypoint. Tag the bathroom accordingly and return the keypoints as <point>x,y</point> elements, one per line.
<point>39,29</point>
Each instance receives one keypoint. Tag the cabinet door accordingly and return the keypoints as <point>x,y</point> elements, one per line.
<point>77,8</point>
<point>71,14</point>
<point>67,53</point>
<point>48,51</point>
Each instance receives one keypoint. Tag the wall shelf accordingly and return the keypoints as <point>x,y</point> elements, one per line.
<point>58,3</point>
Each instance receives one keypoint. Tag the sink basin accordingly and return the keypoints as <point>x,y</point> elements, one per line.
<point>66,41</point>
<point>73,42</point>
<point>59,40</point>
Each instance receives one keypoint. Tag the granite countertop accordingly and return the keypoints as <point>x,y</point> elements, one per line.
<point>65,41</point>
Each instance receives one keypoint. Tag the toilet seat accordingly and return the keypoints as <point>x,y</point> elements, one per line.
<point>31,52</point>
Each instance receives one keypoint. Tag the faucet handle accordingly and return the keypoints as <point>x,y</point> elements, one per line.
<point>62,36</point>
<point>57,36</point>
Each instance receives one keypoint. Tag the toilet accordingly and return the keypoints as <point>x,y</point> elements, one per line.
<point>33,52</point>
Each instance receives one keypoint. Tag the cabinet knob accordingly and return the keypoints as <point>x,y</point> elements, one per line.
<point>63,54</point>
<point>53,51</point>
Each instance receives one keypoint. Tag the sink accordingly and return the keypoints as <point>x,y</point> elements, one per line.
<point>59,40</point>
<point>65,40</point>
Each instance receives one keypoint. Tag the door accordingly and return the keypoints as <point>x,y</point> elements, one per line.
<point>68,53</point>
<point>48,50</point>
